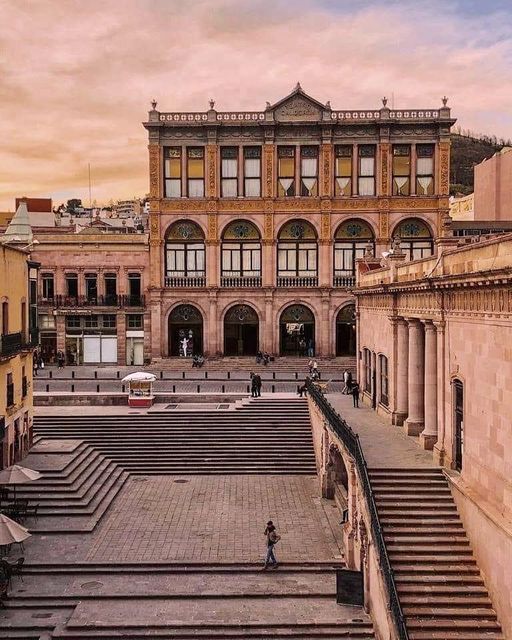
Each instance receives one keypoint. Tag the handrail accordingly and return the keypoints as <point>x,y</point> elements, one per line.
<point>353,445</point>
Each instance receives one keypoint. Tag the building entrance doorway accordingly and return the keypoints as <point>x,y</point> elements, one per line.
<point>241,328</point>
<point>185,331</point>
<point>458,410</point>
<point>346,331</point>
<point>297,331</point>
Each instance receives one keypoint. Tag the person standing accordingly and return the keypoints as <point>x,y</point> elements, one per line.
<point>257,377</point>
<point>345,382</point>
<point>272,539</point>
<point>355,394</point>
<point>253,385</point>
<point>60,359</point>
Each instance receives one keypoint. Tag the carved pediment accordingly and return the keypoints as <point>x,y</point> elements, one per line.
<point>297,107</point>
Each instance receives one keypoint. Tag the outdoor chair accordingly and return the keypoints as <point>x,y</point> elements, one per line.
<point>31,511</point>
<point>17,568</point>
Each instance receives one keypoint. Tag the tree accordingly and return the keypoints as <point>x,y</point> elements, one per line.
<point>73,204</point>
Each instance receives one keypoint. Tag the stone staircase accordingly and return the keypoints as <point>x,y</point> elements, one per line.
<point>77,486</point>
<point>287,364</point>
<point>439,584</point>
<point>264,436</point>
<point>181,601</point>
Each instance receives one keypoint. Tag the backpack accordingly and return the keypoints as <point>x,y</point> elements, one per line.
<point>274,537</point>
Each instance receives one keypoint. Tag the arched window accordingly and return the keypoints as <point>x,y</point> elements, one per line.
<point>297,255</point>
<point>351,240</point>
<point>241,255</point>
<point>415,238</point>
<point>185,255</point>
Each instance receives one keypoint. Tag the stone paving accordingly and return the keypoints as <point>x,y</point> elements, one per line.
<point>383,445</point>
<point>214,519</point>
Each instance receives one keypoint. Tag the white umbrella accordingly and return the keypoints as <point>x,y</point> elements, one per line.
<point>11,531</point>
<point>16,474</point>
<point>139,376</point>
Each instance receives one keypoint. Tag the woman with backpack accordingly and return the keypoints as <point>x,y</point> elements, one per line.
<point>272,539</point>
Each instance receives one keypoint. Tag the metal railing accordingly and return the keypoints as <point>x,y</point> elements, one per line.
<point>344,281</point>
<point>114,300</point>
<point>351,441</point>
<point>297,281</point>
<point>240,281</point>
<point>11,343</point>
<point>185,281</point>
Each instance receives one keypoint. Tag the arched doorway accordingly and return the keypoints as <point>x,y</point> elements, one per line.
<point>185,323</point>
<point>241,328</point>
<point>346,331</point>
<point>297,331</point>
<point>458,419</point>
<point>415,238</point>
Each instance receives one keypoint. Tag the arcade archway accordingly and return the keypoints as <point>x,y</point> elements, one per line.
<point>241,328</point>
<point>346,331</point>
<point>297,331</point>
<point>185,331</point>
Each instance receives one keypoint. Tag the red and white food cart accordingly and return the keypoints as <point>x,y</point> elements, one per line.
<point>140,389</point>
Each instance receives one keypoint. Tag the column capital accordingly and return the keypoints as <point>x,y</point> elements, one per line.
<point>429,325</point>
<point>413,321</point>
<point>440,325</point>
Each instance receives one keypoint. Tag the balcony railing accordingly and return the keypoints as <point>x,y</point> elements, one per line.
<point>185,281</point>
<point>297,281</point>
<point>119,301</point>
<point>11,344</point>
<point>344,281</point>
<point>242,281</point>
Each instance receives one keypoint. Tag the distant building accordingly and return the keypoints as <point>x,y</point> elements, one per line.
<point>493,187</point>
<point>18,339</point>
<point>462,209</point>
<point>257,218</point>
<point>127,208</point>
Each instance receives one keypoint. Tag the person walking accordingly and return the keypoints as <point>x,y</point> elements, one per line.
<point>272,539</point>
<point>345,382</point>
<point>355,394</point>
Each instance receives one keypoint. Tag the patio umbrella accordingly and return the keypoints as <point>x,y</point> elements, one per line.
<point>11,531</point>
<point>16,474</point>
<point>139,376</point>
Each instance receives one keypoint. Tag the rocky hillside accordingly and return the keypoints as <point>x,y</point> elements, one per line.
<point>467,151</point>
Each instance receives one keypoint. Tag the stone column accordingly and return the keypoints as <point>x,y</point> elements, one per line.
<point>322,338</point>
<point>268,272</point>
<point>268,343</point>
<point>210,341</point>
<point>402,366</point>
<point>439,449</point>
<point>324,263</point>
<point>212,265</point>
<point>416,405</point>
<point>428,436</point>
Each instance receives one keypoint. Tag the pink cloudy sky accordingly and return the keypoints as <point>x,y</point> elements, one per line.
<point>77,76</point>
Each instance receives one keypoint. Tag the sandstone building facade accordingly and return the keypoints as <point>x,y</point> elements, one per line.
<point>257,219</point>
<point>434,355</point>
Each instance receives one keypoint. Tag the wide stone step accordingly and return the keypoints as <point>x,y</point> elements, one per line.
<point>412,603</point>
<point>412,541</point>
<point>454,530</point>
<point>431,575</point>
<point>429,558</point>
<point>455,635</point>
<point>421,549</point>
<point>392,522</point>
<point>451,622</point>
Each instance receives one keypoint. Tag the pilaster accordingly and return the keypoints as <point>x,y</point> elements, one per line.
<point>326,172</point>
<point>211,171</point>
<point>416,379</point>
<point>428,436</point>
<point>269,180</point>
<point>401,372</point>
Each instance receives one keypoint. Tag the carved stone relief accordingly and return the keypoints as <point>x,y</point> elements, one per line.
<point>299,109</point>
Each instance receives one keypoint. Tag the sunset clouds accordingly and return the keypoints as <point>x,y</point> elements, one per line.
<point>76,78</point>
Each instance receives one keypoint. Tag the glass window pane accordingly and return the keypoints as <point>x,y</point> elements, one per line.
<point>401,165</point>
<point>196,188</point>
<point>200,260</point>
<point>252,187</point>
<point>286,167</point>
<point>229,168</point>
<point>173,167</point>
<point>195,168</point>
<point>344,167</point>
<point>173,188</point>
<point>366,186</point>
<point>366,166</point>
<point>229,188</point>
<point>425,166</point>
<point>308,166</point>
<point>281,258</point>
<point>252,167</point>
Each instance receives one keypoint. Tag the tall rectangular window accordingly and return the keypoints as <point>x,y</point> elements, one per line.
<point>72,285</point>
<point>308,171</point>
<point>343,170</point>
<point>195,172</point>
<point>366,178</point>
<point>172,164</point>
<point>286,171</point>
<point>5,318</point>
<point>383,374</point>
<point>111,288</point>
<point>401,169</point>
<point>425,169</point>
<point>91,287</point>
<point>252,172</point>
<point>48,286</point>
<point>229,172</point>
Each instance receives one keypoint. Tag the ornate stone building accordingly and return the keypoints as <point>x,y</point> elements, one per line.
<point>257,218</point>
<point>434,355</point>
